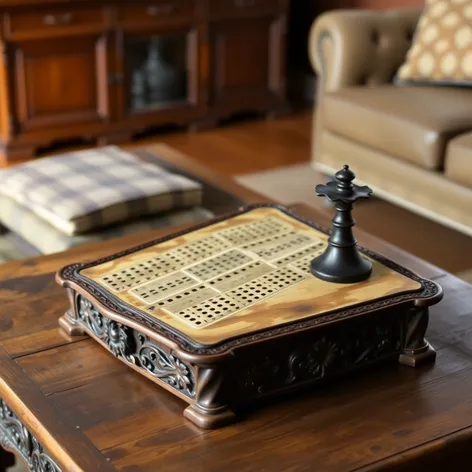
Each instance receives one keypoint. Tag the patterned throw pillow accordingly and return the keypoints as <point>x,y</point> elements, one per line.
<point>82,191</point>
<point>441,52</point>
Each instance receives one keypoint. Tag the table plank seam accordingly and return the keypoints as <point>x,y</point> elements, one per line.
<point>55,346</point>
<point>403,455</point>
<point>45,419</point>
<point>80,385</point>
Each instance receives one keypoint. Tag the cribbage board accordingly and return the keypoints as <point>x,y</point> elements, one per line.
<point>227,313</point>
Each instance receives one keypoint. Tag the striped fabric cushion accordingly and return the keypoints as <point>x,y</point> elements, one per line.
<point>47,239</point>
<point>86,190</point>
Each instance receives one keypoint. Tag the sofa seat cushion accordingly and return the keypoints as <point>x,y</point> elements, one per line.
<point>411,123</point>
<point>458,166</point>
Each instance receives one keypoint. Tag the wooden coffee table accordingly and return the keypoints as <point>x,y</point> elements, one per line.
<point>86,411</point>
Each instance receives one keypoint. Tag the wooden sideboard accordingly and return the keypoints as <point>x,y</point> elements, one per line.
<point>107,70</point>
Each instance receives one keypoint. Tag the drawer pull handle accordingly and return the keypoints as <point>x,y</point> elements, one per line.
<point>245,3</point>
<point>156,10</point>
<point>64,19</point>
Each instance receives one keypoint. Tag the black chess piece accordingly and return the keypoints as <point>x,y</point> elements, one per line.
<point>341,262</point>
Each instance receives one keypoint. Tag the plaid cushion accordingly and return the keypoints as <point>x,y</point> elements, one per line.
<point>80,191</point>
<point>47,239</point>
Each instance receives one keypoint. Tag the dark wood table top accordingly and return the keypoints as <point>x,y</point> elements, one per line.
<point>93,413</point>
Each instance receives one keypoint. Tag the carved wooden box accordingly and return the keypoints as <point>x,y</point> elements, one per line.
<point>228,313</point>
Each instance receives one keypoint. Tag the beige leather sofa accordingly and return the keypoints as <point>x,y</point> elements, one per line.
<point>411,144</point>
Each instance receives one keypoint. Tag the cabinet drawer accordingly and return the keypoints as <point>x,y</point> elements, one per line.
<point>52,21</point>
<point>161,10</point>
<point>241,7</point>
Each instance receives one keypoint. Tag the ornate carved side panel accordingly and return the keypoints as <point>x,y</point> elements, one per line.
<point>324,354</point>
<point>137,349</point>
<point>15,437</point>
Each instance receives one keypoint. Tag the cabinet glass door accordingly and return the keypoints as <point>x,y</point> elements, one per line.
<point>156,69</point>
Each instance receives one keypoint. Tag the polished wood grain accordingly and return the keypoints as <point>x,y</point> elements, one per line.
<point>248,146</point>
<point>242,69</point>
<point>53,66</point>
<point>72,450</point>
<point>53,21</point>
<point>65,71</point>
<point>132,15</point>
<point>394,419</point>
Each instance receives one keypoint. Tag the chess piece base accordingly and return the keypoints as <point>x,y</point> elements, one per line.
<point>341,265</point>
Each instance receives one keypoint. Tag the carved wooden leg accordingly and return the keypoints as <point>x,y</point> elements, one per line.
<point>68,322</point>
<point>7,459</point>
<point>417,350</point>
<point>210,409</point>
<point>70,325</point>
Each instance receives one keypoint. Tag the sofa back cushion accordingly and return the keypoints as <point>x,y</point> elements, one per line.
<point>441,52</point>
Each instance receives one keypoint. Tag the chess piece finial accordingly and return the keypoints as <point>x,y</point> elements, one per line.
<point>341,262</point>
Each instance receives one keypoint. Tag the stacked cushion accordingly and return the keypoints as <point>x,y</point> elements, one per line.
<point>47,239</point>
<point>87,190</point>
<point>56,203</point>
<point>441,52</point>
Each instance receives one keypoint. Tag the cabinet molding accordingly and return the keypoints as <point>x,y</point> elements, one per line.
<point>101,69</point>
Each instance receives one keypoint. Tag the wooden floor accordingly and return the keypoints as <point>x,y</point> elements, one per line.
<point>249,146</point>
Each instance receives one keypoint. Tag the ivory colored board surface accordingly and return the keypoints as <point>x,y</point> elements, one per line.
<point>237,276</point>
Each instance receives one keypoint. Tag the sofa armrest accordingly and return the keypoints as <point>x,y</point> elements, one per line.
<point>360,47</point>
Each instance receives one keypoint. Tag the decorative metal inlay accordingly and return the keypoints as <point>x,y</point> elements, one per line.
<point>140,273</point>
<point>15,436</point>
<point>310,251</point>
<point>255,230</point>
<point>219,264</point>
<point>303,264</point>
<point>279,245</point>
<point>184,300</point>
<point>207,280</point>
<point>164,287</point>
<point>240,276</point>
<point>137,349</point>
<point>198,250</point>
<point>430,292</point>
<point>210,311</point>
<point>266,286</point>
